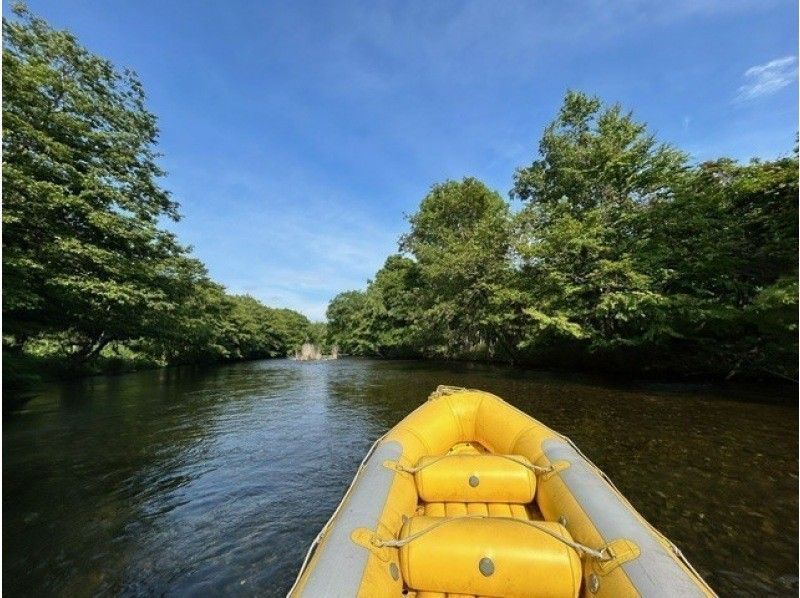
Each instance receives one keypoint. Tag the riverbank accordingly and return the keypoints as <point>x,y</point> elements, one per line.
<point>25,374</point>
<point>639,366</point>
<point>23,371</point>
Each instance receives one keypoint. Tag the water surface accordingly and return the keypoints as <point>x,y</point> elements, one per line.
<point>209,481</point>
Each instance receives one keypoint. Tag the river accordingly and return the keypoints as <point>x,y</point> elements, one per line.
<point>192,481</point>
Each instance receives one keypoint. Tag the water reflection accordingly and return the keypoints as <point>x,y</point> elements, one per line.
<point>195,481</point>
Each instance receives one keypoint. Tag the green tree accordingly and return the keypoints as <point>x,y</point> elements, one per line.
<point>598,171</point>
<point>293,328</point>
<point>348,323</point>
<point>724,249</point>
<point>593,155</point>
<point>460,239</point>
<point>82,251</point>
<point>393,308</point>
<point>202,328</point>
<point>622,255</point>
<point>89,276</point>
<point>381,321</point>
<point>318,336</point>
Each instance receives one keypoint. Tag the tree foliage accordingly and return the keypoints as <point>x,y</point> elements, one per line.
<point>86,264</point>
<point>623,255</point>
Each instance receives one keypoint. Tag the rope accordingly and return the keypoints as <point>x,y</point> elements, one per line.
<point>537,469</point>
<point>583,550</point>
<point>443,390</point>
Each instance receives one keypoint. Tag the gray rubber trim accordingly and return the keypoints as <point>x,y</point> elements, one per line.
<point>654,572</point>
<point>341,563</point>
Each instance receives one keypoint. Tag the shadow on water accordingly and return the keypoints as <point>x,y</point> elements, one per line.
<point>196,481</point>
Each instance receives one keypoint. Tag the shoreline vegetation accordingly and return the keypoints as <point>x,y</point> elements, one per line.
<point>615,253</point>
<point>92,282</point>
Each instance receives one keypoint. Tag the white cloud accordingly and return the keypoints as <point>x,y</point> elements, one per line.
<point>766,79</point>
<point>285,235</point>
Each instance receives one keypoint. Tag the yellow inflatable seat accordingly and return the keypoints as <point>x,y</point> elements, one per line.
<point>475,478</point>
<point>489,557</point>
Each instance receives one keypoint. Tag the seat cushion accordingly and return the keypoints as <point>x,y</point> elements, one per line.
<point>489,557</point>
<point>475,478</point>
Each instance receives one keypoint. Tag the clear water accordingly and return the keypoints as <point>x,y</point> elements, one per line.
<point>208,481</point>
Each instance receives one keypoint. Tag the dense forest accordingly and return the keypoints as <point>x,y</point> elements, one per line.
<point>615,253</point>
<point>92,281</point>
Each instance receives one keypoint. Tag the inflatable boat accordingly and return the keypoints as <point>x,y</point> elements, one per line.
<point>468,496</point>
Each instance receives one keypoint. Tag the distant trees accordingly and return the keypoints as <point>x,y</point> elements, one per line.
<point>382,321</point>
<point>86,265</point>
<point>623,255</point>
<point>443,299</point>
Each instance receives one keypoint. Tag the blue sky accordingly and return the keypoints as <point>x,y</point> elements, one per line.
<point>296,135</point>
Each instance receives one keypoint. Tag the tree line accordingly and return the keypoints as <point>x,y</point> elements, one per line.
<point>91,278</point>
<point>615,253</point>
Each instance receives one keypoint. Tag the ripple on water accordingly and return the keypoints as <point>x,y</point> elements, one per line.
<point>190,481</point>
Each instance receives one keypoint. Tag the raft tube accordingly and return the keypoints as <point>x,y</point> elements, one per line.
<point>469,496</point>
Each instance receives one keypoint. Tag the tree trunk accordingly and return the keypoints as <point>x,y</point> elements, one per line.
<point>90,349</point>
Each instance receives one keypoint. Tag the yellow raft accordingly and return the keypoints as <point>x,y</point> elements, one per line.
<point>468,496</point>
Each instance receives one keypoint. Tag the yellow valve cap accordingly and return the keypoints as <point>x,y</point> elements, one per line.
<point>489,557</point>
<point>476,478</point>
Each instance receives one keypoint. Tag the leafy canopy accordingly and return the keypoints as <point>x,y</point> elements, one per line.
<point>87,265</point>
<point>623,256</point>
